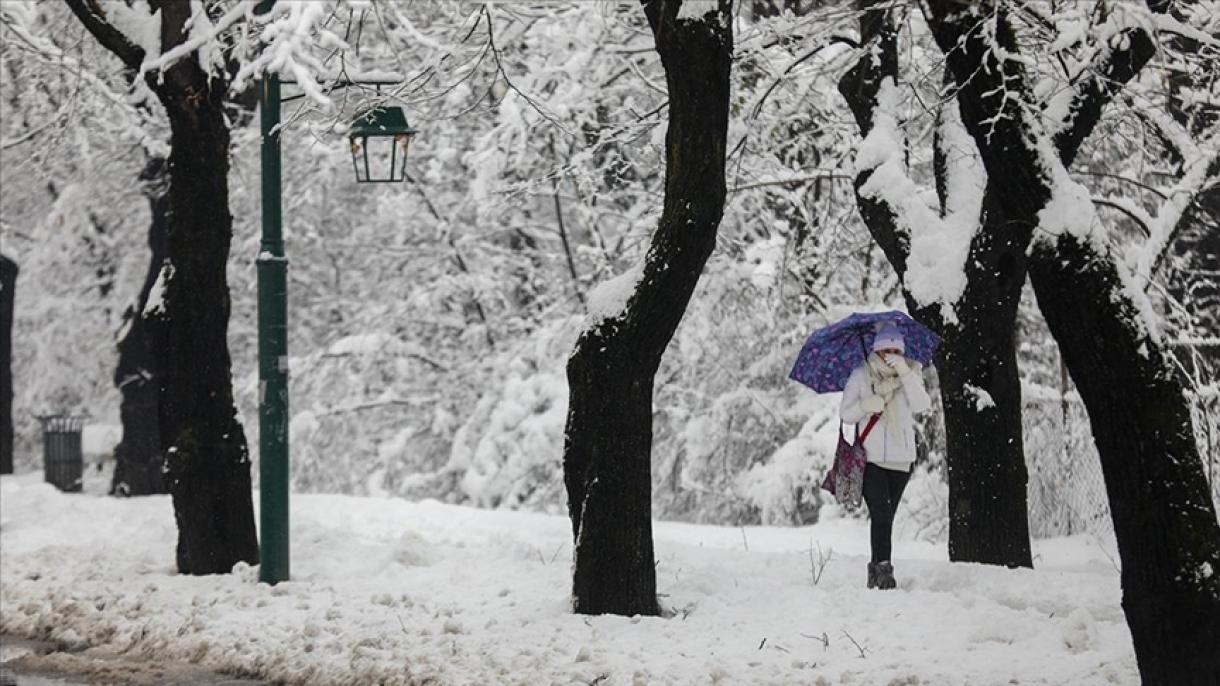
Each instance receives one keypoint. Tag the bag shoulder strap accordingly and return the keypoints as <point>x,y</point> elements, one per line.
<point>869,427</point>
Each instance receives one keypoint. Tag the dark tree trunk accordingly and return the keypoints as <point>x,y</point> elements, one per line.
<point>207,461</point>
<point>608,442</point>
<point>139,461</point>
<point>1168,537</point>
<point>985,455</point>
<point>985,449</point>
<point>8,284</point>
<point>1164,520</point>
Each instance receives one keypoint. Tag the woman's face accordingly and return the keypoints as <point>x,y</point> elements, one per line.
<point>886,353</point>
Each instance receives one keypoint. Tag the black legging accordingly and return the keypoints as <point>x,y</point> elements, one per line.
<point>882,491</point>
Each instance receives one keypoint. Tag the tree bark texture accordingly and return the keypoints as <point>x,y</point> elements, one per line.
<point>985,456</point>
<point>139,460</point>
<point>981,396</point>
<point>608,440</point>
<point>8,284</point>
<point>1168,537</point>
<point>207,460</point>
<point>1164,521</point>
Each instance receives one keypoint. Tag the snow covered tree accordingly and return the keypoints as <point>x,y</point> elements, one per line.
<point>68,212</point>
<point>1191,251</point>
<point>966,247</point>
<point>1164,520</point>
<point>207,459</point>
<point>432,320</point>
<point>44,55</point>
<point>608,440</point>
<point>139,459</point>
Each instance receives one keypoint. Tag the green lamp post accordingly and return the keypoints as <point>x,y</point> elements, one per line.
<point>272,268</point>
<point>379,140</point>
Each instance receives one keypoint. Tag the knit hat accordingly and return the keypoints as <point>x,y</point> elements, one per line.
<point>888,336</point>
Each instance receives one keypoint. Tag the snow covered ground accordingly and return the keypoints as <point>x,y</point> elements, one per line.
<point>396,592</point>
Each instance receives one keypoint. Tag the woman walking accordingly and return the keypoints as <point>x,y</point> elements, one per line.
<point>889,387</point>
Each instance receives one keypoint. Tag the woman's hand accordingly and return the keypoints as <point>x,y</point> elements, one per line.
<point>898,363</point>
<point>873,404</point>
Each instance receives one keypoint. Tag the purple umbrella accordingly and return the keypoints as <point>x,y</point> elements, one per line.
<point>831,353</point>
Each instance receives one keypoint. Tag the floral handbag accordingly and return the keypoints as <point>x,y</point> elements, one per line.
<point>845,480</point>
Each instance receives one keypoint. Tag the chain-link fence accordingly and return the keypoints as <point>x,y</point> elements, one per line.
<point>1067,493</point>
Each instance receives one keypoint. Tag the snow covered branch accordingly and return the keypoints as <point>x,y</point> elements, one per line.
<point>290,38</point>
<point>929,251</point>
<point>101,18</point>
<point>1122,56</point>
<point>202,37</point>
<point>1201,173</point>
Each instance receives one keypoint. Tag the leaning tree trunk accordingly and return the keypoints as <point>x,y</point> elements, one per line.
<point>980,384</point>
<point>1168,537</point>
<point>139,462</point>
<point>8,283</point>
<point>608,441</point>
<point>1164,521</point>
<point>207,461</point>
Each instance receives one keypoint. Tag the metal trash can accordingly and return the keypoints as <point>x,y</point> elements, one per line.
<point>62,461</point>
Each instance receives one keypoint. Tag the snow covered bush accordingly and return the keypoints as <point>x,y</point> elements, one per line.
<point>786,488</point>
<point>507,449</point>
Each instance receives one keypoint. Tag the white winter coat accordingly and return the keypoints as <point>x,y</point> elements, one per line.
<point>887,446</point>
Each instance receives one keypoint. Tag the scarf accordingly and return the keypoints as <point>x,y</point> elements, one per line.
<point>885,383</point>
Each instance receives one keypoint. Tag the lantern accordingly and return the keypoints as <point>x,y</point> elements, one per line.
<point>379,140</point>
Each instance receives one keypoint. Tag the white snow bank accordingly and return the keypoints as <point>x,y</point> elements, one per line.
<point>395,592</point>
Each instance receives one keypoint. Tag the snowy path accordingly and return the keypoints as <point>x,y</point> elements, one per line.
<point>389,591</point>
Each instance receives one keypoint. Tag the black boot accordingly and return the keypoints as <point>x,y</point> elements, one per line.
<point>872,575</point>
<point>885,576</point>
